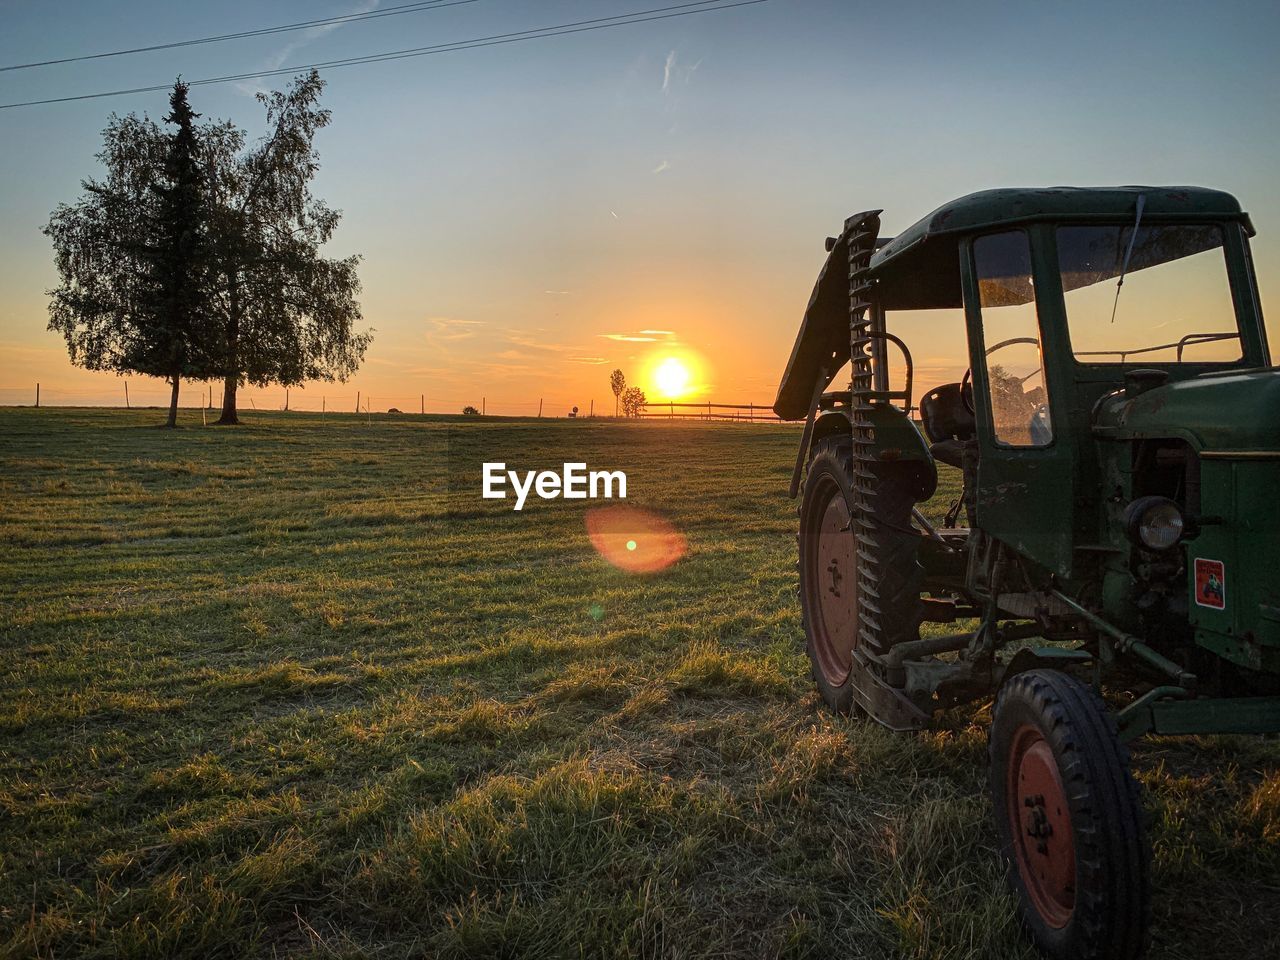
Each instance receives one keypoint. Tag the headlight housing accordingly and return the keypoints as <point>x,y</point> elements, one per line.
<point>1154,522</point>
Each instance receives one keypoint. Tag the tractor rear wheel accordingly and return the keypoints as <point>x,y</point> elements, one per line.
<point>829,595</point>
<point>1069,819</point>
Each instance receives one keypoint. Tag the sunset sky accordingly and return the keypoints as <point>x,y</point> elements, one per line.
<point>532,215</point>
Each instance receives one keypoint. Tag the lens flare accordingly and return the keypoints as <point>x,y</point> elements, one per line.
<point>634,540</point>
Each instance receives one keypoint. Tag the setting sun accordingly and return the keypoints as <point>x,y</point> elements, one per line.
<point>671,378</point>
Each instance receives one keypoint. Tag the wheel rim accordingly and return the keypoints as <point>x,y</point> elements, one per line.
<point>1040,825</point>
<point>832,585</point>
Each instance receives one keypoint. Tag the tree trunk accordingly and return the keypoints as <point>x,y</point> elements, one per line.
<point>232,379</point>
<point>173,403</point>
<point>229,417</point>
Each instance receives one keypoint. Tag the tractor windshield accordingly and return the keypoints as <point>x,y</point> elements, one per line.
<point>1171,305</point>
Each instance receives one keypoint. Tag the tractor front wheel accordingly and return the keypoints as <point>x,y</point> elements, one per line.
<point>829,568</point>
<point>1069,819</point>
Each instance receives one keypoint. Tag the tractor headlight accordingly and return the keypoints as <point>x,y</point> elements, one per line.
<point>1154,522</point>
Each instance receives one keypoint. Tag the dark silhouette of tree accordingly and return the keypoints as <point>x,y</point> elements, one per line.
<point>198,255</point>
<point>633,402</point>
<point>470,411</point>
<point>287,314</point>
<point>618,383</point>
<point>133,258</point>
<point>176,291</point>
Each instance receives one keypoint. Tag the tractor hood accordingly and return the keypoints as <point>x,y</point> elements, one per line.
<point>1236,410</point>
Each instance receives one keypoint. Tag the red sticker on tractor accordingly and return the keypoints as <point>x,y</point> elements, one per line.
<point>1211,584</point>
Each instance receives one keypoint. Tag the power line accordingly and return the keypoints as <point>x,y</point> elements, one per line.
<point>580,26</point>
<point>264,31</point>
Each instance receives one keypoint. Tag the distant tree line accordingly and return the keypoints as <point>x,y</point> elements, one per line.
<point>197,255</point>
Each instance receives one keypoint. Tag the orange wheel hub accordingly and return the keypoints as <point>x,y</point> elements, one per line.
<point>1040,824</point>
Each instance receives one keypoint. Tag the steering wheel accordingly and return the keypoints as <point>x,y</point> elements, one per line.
<point>966,386</point>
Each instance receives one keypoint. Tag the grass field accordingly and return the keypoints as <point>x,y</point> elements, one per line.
<point>294,689</point>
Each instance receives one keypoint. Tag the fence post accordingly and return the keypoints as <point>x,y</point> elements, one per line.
<point>37,393</point>
<point>671,411</point>
<point>593,409</point>
<point>422,404</point>
<point>126,395</point>
<point>539,406</point>
<point>286,399</point>
<point>357,401</point>
<point>322,408</point>
<point>482,413</point>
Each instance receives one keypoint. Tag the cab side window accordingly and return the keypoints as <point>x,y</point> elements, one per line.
<point>1011,331</point>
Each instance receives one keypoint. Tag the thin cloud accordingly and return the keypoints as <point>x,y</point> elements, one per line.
<point>557,293</point>
<point>664,165</point>
<point>586,359</point>
<point>432,371</point>
<point>445,329</point>
<point>384,362</point>
<point>505,369</point>
<point>673,73</point>
<point>529,343</point>
<point>640,336</point>
<point>276,60</point>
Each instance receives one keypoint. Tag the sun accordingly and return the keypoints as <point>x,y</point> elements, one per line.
<point>672,377</point>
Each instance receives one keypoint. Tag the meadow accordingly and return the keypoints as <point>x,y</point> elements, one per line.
<point>293,689</point>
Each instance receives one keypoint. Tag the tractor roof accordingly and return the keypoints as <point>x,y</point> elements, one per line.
<point>919,268</point>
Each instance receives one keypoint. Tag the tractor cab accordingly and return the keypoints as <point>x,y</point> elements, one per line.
<point>1068,294</point>
<point>1109,446</point>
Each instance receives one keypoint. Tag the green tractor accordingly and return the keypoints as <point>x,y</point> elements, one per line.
<point>1117,443</point>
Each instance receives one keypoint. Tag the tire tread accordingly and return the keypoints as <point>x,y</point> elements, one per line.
<point>1111,918</point>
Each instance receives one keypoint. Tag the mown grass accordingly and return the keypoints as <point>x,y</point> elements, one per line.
<point>293,689</point>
